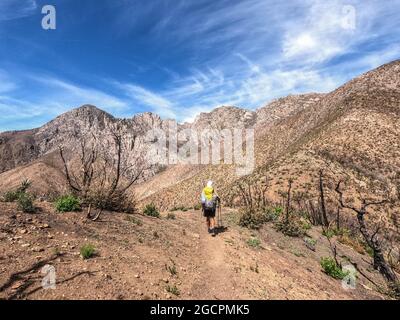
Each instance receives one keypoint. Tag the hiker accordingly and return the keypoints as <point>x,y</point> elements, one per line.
<point>209,200</point>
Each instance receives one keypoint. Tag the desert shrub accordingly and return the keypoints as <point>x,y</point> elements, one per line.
<point>172,269</point>
<point>393,290</point>
<point>305,225</point>
<point>173,289</point>
<point>87,251</point>
<point>331,232</point>
<point>118,201</point>
<point>255,268</point>
<point>25,203</point>
<point>67,203</point>
<point>25,184</point>
<point>273,214</point>
<point>11,196</point>
<point>151,211</point>
<point>14,195</point>
<point>197,207</point>
<point>251,219</point>
<point>253,242</point>
<point>291,228</point>
<point>331,268</point>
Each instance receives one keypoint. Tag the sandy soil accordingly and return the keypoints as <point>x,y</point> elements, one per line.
<point>141,257</point>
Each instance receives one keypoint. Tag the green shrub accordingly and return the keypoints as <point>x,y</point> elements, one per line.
<point>173,289</point>
<point>151,211</point>
<point>11,196</point>
<point>87,251</point>
<point>273,214</point>
<point>278,210</point>
<point>25,184</point>
<point>331,232</point>
<point>25,203</point>
<point>306,225</point>
<point>197,207</point>
<point>254,242</point>
<point>332,269</point>
<point>67,204</point>
<point>172,269</point>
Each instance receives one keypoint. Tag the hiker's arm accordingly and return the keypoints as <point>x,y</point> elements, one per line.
<point>203,200</point>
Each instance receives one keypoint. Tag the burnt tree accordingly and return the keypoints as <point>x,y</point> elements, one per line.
<point>322,199</point>
<point>371,239</point>
<point>103,174</point>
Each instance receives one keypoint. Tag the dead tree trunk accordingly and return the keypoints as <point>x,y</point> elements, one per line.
<point>322,198</point>
<point>372,240</point>
<point>338,218</point>
<point>288,200</point>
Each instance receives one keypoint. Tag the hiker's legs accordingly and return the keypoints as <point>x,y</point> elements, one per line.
<point>212,222</point>
<point>208,222</point>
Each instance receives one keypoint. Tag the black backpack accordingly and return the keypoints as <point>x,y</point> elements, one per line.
<point>212,203</point>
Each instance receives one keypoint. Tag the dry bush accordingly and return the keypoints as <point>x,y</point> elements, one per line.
<point>104,174</point>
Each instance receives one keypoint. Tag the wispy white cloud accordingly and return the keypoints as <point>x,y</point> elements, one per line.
<point>145,97</point>
<point>71,94</point>
<point>49,98</point>
<point>15,9</point>
<point>6,83</point>
<point>203,91</point>
<point>250,52</point>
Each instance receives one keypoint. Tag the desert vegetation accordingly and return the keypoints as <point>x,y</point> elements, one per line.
<point>339,221</point>
<point>21,195</point>
<point>102,176</point>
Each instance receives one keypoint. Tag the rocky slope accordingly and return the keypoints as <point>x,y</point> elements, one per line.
<point>354,128</point>
<point>352,132</point>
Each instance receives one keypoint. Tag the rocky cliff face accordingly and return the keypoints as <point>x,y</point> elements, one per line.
<point>85,123</point>
<point>88,122</point>
<point>225,118</point>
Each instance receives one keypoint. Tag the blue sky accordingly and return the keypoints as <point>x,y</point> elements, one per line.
<point>182,57</point>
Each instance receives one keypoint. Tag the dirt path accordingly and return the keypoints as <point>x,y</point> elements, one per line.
<point>216,274</point>
<point>218,278</point>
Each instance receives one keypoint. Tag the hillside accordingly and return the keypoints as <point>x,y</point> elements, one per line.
<point>352,131</point>
<point>140,257</point>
